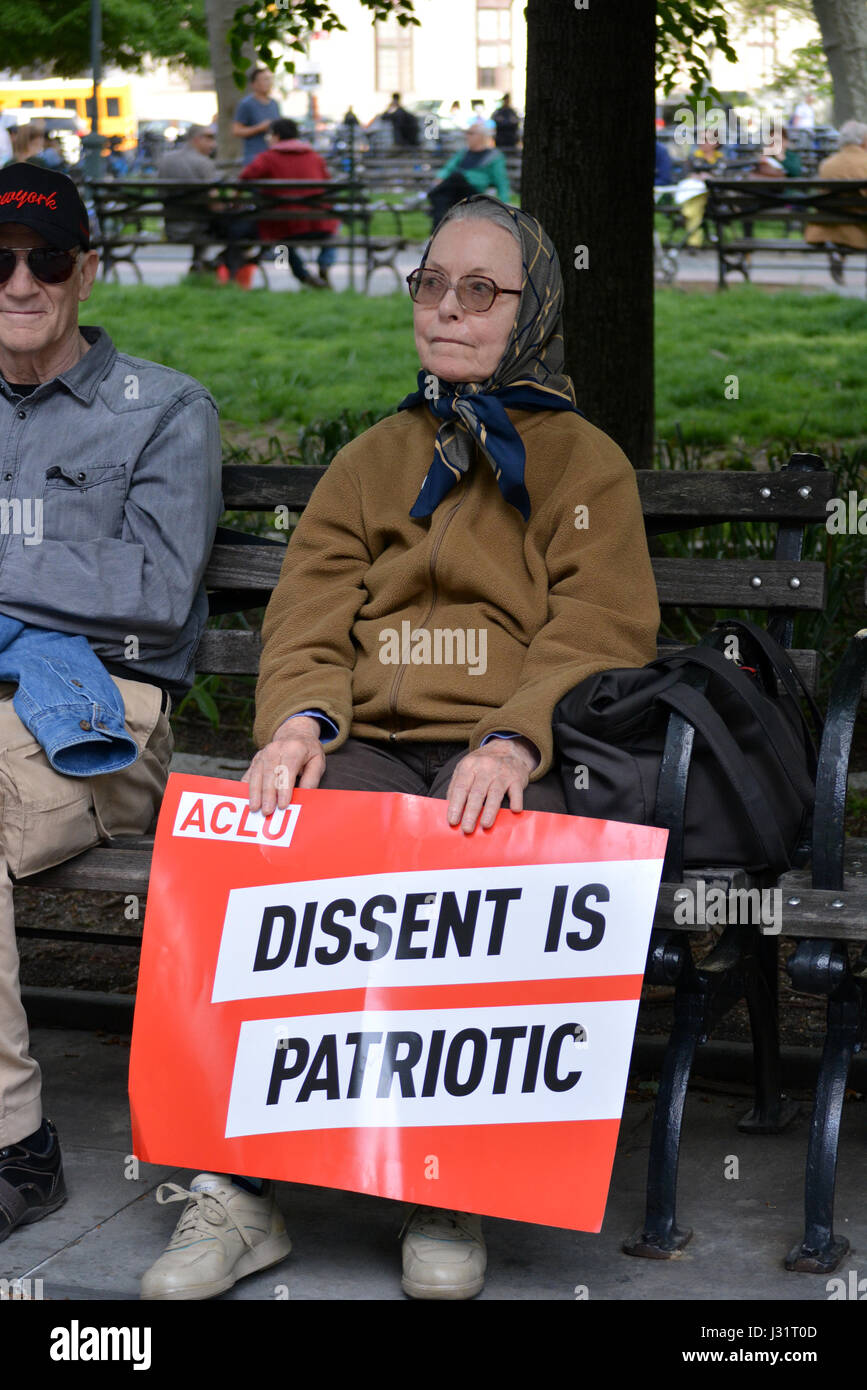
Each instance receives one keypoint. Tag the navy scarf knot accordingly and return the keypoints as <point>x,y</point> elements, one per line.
<point>484,416</point>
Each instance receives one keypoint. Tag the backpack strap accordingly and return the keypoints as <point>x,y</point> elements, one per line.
<point>783,666</point>
<point>724,668</point>
<point>732,764</point>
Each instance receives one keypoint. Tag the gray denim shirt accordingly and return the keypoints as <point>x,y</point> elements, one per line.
<point>109,500</point>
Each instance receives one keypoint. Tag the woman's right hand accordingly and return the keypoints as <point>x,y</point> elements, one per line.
<point>294,754</point>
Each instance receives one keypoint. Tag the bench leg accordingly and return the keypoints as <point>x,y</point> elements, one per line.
<point>703,996</point>
<point>772,1111</point>
<point>822,967</point>
<point>821,1251</point>
<point>662,1238</point>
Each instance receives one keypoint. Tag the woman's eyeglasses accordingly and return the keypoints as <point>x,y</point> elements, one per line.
<point>475,293</point>
<point>49,264</point>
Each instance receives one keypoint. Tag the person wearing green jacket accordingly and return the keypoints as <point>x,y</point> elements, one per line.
<point>477,169</point>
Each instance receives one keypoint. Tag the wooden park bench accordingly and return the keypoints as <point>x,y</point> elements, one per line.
<point>791,202</point>
<point>825,906</point>
<point>135,214</point>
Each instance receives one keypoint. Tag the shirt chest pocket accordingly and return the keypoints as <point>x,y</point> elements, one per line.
<point>83,502</point>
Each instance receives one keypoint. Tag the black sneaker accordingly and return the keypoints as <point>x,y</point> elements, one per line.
<point>31,1184</point>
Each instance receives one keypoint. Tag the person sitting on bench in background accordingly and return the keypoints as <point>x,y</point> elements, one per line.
<point>287,157</point>
<point>850,162</point>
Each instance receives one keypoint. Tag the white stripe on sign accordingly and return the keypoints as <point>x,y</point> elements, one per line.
<point>208,816</point>
<point>516,1064</point>
<point>437,926</point>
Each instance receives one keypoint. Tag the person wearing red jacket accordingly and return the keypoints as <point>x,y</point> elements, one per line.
<point>290,158</point>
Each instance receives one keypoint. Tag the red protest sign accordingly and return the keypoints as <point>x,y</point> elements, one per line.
<point>354,994</point>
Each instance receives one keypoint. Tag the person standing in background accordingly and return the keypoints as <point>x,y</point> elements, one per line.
<point>508,124</point>
<point>255,113</point>
<point>403,123</point>
<point>28,144</point>
<point>804,116</point>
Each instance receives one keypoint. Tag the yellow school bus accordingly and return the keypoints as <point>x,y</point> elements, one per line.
<point>116,115</point>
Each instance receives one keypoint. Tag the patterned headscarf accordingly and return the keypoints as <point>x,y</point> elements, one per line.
<point>529,376</point>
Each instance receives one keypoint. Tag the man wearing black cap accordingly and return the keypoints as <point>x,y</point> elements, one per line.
<point>120,459</point>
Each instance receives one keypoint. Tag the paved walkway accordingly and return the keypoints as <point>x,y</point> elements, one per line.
<point>345,1246</point>
<point>164,265</point>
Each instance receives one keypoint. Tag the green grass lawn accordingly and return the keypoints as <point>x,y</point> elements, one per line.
<point>275,362</point>
<point>798,359</point>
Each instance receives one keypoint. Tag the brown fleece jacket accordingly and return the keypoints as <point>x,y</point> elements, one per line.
<point>467,622</point>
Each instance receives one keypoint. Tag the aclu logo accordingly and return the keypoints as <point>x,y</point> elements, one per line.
<point>77,1343</point>
<point>208,816</point>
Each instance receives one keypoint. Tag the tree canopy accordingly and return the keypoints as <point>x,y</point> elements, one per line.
<point>54,35</point>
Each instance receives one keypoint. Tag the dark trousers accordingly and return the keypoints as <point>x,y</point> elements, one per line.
<point>230,230</point>
<point>420,769</point>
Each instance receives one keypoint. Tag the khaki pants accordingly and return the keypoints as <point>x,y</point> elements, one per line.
<point>46,818</point>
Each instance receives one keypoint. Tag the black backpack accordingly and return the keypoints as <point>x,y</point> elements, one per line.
<point>751,783</point>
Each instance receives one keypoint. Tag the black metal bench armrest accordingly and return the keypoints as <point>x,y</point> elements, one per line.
<point>830,806</point>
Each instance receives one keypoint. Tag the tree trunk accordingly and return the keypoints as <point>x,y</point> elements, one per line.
<point>588,176</point>
<point>220,14</point>
<point>844,38</point>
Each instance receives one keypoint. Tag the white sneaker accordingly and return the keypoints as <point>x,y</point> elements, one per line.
<point>444,1254</point>
<point>223,1234</point>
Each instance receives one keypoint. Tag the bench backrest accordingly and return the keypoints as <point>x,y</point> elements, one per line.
<point>128,203</point>
<point>243,569</point>
<point>808,200</point>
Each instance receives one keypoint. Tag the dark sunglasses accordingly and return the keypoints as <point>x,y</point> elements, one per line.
<point>46,263</point>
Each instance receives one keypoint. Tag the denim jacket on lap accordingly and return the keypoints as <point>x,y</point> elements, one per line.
<point>66,698</point>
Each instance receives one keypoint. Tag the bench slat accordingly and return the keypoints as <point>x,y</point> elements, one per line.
<point>261,487</point>
<point>702,496</point>
<point>105,869</point>
<point>727,583</point>
<point>122,869</point>
<point>237,654</point>
<point>699,583</point>
<point>229,653</point>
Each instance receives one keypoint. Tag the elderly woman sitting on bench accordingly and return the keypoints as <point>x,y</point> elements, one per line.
<point>459,568</point>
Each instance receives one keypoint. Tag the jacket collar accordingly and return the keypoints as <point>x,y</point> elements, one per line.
<point>83,380</point>
<point>291,146</point>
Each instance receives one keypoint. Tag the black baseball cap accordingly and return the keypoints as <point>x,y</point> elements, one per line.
<point>46,201</point>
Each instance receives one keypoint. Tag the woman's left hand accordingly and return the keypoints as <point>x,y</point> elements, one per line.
<point>484,777</point>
